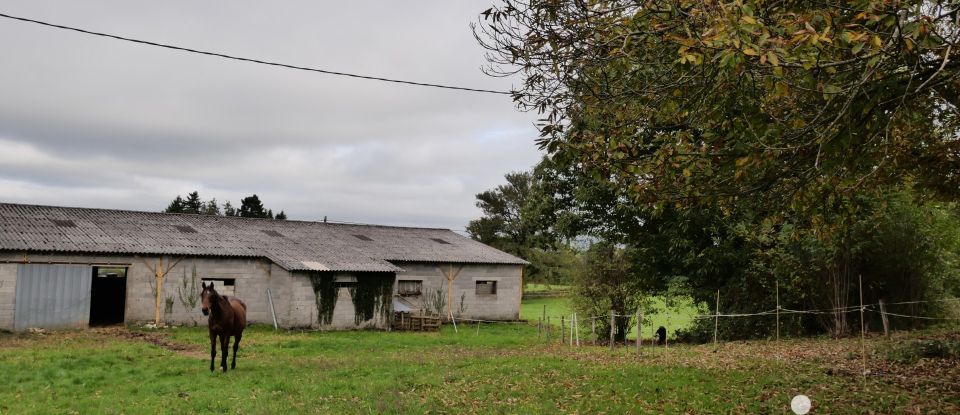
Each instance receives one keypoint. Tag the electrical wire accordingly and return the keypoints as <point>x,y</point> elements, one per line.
<point>260,61</point>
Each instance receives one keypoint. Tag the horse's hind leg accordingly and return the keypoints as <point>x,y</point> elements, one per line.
<point>224,342</point>
<point>213,350</point>
<point>236,345</point>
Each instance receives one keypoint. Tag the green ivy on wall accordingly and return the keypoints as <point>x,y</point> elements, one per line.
<point>372,296</point>
<point>325,293</point>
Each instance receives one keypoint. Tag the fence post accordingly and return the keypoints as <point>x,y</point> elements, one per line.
<point>563,334</point>
<point>639,333</point>
<point>576,328</point>
<point>539,327</point>
<point>863,345</point>
<point>778,312</point>
<point>478,327</point>
<point>611,329</point>
<point>666,336</point>
<point>716,321</point>
<point>883,317</point>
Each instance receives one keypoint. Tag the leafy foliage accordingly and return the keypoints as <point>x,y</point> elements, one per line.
<point>372,296</point>
<point>794,104</point>
<point>325,293</point>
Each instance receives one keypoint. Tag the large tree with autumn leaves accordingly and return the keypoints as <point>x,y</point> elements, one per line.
<point>793,104</point>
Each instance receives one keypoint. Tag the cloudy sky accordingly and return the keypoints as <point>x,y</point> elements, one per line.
<point>94,122</point>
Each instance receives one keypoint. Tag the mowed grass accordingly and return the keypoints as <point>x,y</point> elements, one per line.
<point>504,369</point>
<point>679,316</point>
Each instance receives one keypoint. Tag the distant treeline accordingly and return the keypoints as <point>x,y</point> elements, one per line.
<point>250,207</point>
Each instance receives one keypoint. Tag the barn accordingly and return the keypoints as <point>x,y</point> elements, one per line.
<point>64,267</point>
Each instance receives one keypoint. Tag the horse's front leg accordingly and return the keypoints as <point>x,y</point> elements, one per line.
<point>213,349</point>
<point>224,343</point>
<point>236,345</point>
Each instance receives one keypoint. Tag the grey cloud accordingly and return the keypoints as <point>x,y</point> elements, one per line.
<point>96,122</point>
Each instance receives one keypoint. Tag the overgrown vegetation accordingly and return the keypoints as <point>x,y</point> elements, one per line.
<point>752,148</point>
<point>372,296</point>
<point>325,294</point>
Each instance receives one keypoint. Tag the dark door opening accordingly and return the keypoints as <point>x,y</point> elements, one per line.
<point>108,296</point>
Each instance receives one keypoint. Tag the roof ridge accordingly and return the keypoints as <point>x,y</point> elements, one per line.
<point>331,223</point>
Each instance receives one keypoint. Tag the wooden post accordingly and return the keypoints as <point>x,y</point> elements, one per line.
<point>159,275</point>
<point>611,329</point>
<point>863,345</point>
<point>563,327</point>
<point>883,317</point>
<point>639,336</point>
<point>778,312</point>
<point>576,329</point>
<point>548,329</point>
<point>666,335</point>
<point>716,321</point>
<point>478,327</point>
<point>539,327</point>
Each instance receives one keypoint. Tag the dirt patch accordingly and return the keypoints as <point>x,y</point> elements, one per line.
<point>156,339</point>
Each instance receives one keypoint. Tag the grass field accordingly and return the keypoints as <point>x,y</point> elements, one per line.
<point>680,315</point>
<point>504,369</point>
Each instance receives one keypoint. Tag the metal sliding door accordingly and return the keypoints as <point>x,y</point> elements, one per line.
<point>52,296</point>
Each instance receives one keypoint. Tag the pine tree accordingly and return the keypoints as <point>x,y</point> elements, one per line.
<point>176,206</point>
<point>211,208</point>
<point>281,216</point>
<point>251,207</point>
<point>193,204</point>
<point>229,210</point>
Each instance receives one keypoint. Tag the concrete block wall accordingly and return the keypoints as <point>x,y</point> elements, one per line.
<point>8,295</point>
<point>252,277</point>
<point>504,305</point>
<point>303,302</point>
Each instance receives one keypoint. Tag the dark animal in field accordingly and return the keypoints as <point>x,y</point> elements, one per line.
<point>661,335</point>
<point>228,317</point>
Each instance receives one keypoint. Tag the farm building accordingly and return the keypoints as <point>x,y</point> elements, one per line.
<point>76,267</point>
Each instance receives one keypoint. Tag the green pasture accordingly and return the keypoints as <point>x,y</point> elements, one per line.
<point>503,369</point>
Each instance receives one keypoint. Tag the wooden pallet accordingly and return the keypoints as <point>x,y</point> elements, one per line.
<point>416,321</point>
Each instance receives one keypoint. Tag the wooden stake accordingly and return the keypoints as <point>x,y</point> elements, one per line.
<point>638,331</point>
<point>563,327</point>
<point>883,317</point>
<point>611,329</point>
<point>478,327</point>
<point>863,345</point>
<point>778,312</point>
<point>548,328</point>
<point>666,336</point>
<point>716,321</point>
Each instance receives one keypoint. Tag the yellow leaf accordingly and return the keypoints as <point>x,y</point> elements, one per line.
<point>748,20</point>
<point>750,51</point>
<point>773,59</point>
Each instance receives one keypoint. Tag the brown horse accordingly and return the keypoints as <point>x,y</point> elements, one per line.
<point>228,317</point>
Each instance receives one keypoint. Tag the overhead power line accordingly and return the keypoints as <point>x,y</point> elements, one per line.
<point>262,62</point>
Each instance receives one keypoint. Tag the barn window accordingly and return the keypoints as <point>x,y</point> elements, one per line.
<point>409,287</point>
<point>486,288</point>
<point>224,286</point>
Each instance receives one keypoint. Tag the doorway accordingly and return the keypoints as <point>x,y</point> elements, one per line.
<point>108,296</point>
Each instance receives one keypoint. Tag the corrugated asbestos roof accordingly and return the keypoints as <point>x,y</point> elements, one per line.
<point>300,246</point>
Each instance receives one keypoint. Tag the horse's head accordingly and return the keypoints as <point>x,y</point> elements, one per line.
<point>208,297</point>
